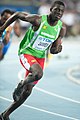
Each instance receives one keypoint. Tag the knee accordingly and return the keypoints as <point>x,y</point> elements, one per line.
<point>38,75</point>
<point>37,71</point>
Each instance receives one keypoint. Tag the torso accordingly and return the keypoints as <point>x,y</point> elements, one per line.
<point>43,37</point>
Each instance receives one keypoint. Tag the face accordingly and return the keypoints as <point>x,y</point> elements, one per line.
<point>57,11</point>
<point>5,17</point>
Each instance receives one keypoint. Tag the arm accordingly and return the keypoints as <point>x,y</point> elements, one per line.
<point>33,19</point>
<point>7,36</point>
<point>56,46</point>
<point>9,21</point>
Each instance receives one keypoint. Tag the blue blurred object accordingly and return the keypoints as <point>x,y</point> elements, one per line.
<point>31,9</point>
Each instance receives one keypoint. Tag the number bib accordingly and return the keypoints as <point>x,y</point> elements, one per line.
<point>42,43</point>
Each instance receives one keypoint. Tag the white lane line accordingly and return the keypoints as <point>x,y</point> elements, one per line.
<point>41,110</point>
<point>56,95</point>
<point>69,74</point>
<point>21,76</point>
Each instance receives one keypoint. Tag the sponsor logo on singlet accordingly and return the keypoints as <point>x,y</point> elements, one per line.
<point>42,43</point>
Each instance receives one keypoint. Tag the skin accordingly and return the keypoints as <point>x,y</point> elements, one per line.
<point>5,17</point>
<point>35,20</point>
<point>6,39</point>
<point>7,35</point>
<point>55,14</point>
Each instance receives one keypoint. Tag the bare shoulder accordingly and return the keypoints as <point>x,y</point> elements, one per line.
<point>36,21</point>
<point>63,25</point>
<point>37,17</point>
<point>63,30</point>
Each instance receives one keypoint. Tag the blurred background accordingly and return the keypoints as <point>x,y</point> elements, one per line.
<point>61,68</point>
<point>71,16</point>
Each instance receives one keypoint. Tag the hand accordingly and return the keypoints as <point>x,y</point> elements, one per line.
<point>59,48</point>
<point>56,49</point>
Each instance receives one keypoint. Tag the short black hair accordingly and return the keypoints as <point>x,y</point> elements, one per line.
<point>57,2</point>
<point>7,11</point>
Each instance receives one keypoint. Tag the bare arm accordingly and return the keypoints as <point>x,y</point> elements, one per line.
<point>56,46</point>
<point>9,21</point>
<point>7,35</point>
<point>33,19</point>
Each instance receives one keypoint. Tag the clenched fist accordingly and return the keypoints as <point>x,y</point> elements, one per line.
<point>56,49</point>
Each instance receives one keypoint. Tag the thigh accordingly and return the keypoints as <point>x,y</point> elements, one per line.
<point>41,62</point>
<point>28,60</point>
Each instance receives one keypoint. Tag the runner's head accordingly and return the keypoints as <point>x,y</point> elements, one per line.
<point>5,15</point>
<point>57,10</point>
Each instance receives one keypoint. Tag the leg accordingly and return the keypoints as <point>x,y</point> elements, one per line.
<point>1,51</point>
<point>26,86</point>
<point>1,56</point>
<point>5,49</point>
<point>34,66</point>
<point>26,92</point>
<point>36,74</point>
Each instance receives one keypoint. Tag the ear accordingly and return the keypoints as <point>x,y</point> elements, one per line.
<point>50,9</point>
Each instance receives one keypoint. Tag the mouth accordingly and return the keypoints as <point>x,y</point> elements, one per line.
<point>58,16</point>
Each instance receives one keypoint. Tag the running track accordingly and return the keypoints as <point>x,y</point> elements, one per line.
<point>55,97</point>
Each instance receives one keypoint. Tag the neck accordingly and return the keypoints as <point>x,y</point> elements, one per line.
<point>51,21</point>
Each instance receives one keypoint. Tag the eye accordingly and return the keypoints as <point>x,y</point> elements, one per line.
<point>57,9</point>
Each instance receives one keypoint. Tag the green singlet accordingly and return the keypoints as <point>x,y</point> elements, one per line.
<point>36,43</point>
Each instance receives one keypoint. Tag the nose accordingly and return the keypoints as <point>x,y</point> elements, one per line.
<point>59,11</point>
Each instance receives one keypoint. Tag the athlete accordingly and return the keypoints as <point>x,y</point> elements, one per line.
<point>46,31</point>
<point>5,40</point>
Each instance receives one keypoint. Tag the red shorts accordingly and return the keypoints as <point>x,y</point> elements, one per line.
<point>28,60</point>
